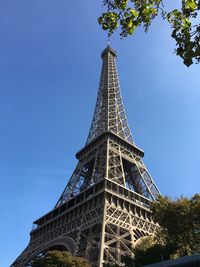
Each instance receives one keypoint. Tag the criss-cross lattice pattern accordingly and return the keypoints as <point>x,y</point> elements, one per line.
<point>109,113</point>
<point>105,208</point>
<point>109,159</point>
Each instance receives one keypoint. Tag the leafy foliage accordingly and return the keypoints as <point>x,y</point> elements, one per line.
<point>179,232</point>
<point>127,260</point>
<point>59,259</point>
<point>180,223</point>
<point>130,14</point>
<point>149,251</point>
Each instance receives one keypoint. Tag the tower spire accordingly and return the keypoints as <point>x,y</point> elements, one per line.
<point>109,115</point>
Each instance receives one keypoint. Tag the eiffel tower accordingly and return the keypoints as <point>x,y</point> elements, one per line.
<point>105,208</point>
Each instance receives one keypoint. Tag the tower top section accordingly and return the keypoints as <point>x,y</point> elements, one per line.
<point>109,115</point>
<point>108,50</point>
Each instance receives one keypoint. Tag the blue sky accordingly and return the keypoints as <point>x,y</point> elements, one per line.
<point>49,74</point>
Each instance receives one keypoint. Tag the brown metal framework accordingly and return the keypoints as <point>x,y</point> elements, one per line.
<point>104,208</point>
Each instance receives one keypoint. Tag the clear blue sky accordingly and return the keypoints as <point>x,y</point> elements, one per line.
<point>49,74</point>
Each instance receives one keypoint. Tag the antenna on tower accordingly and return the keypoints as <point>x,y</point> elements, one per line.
<point>108,40</point>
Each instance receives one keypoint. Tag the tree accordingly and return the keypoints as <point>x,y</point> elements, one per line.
<point>149,251</point>
<point>59,259</point>
<point>127,260</point>
<point>128,15</point>
<point>180,223</point>
<point>178,234</point>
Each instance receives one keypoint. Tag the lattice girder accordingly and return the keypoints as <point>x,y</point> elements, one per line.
<point>122,230</point>
<point>109,112</point>
<point>103,222</point>
<point>105,208</point>
<point>112,161</point>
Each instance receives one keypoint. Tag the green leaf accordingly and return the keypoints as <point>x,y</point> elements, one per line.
<point>188,61</point>
<point>133,12</point>
<point>121,4</point>
<point>186,23</point>
<point>190,4</point>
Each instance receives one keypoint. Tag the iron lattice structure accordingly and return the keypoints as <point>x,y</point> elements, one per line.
<point>105,208</point>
